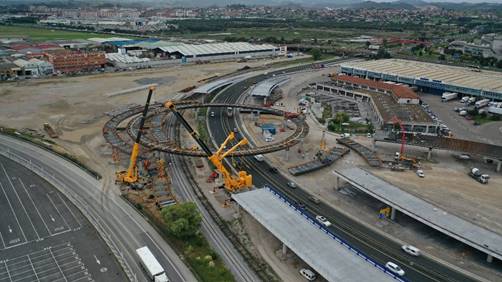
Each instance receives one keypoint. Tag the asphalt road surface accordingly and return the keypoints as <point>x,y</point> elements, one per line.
<point>119,224</point>
<point>381,249</point>
<point>44,237</point>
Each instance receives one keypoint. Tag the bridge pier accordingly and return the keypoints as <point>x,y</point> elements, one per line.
<point>392,213</point>
<point>489,258</point>
<point>284,249</point>
<point>286,154</point>
<point>499,165</point>
<point>429,154</point>
<point>337,183</point>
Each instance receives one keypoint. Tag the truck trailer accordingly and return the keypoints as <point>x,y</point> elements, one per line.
<point>447,96</point>
<point>151,265</point>
<point>481,103</point>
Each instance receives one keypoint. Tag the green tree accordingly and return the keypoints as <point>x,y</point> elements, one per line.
<point>182,220</point>
<point>316,54</point>
<point>341,117</point>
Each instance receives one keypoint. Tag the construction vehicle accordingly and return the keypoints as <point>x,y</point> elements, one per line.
<point>232,183</point>
<point>48,128</point>
<point>476,174</point>
<point>130,176</point>
<point>400,156</point>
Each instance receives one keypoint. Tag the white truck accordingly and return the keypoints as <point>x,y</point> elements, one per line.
<point>481,103</point>
<point>472,100</point>
<point>480,177</point>
<point>150,264</point>
<point>464,99</point>
<point>447,96</point>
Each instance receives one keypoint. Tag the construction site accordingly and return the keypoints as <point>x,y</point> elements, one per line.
<point>274,168</point>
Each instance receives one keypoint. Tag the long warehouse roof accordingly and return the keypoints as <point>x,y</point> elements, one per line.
<point>215,48</point>
<point>485,80</point>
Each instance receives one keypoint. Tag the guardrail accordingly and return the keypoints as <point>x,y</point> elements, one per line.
<point>333,236</point>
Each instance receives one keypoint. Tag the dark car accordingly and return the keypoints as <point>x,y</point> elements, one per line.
<point>273,170</point>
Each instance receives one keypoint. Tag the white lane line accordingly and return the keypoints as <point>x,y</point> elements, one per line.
<point>21,202</point>
<point>57,210</point>
<point>7,270</point>
<point>31,199</point>
<point>3,242</point>
<point>13,212</point>
<point>71,212</point>
<point>33,267</point>
<point>57,264</point>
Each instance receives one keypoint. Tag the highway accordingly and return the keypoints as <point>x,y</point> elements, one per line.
<point>118,223</point>
<point>375,245</point>
<point>185,189</point>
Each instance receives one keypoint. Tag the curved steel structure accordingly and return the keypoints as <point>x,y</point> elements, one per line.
<point>155,139</point>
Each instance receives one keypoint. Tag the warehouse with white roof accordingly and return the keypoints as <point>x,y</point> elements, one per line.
<point>208,51</point>
<point>435,78</point>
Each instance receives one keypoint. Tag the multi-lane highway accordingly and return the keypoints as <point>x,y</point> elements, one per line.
<point>118,223</point>
<point>185,189</point>
<point>374,244</point>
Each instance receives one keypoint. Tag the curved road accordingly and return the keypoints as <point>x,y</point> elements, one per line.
<point>380,248</point>
<point>120,225</point>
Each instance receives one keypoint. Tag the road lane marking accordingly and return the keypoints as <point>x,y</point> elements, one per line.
<point>21,202</point>
<point>12,209</point>
<point>57,210</point>
<point>31,199</point>
<point>71,212</point>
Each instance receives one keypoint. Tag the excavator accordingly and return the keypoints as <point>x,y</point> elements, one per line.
<point>130,176</point>
<point>232,183</point>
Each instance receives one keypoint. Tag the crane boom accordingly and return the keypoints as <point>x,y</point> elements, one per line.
<point>232,183</point>
<point>131,174</point>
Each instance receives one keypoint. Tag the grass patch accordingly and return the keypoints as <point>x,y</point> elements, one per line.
<point>482,119</point>
<point>45,34</point>
<point>352,127</point>
<point>203,261</point>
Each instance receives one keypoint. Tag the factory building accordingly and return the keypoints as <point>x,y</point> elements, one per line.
<point>388,102</point>
<point>203,52</point>
<point>75,61</point>
<point>432,78</point>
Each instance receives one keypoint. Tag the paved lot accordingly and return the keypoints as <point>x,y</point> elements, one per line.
<point>462,128</point>
<point>43,237</point>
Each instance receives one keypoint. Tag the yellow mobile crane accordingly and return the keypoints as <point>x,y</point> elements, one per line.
<point>130,176</point>
<point>232,183</point>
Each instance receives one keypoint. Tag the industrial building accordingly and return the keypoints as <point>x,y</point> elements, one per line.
<point>428,77</point>
<point>75,61</point>
<point>209,51</point>
<point>390,102</point>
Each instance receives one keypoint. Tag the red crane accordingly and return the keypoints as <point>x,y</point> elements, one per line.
<point>396,120</point>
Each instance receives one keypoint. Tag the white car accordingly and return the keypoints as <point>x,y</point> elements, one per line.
<point>420,173</point>
<point>323,220</point>
<point>411,250</point>
<point>212,114</point>
<point>292,185</point>
<point>394,268</point>
<point>307,273</point>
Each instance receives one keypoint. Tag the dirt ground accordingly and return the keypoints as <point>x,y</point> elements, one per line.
<point>446,185</point>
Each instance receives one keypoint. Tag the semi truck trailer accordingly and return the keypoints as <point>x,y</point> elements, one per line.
<point>481,103</point>
<point>447,96</point>
<point>151,265</point>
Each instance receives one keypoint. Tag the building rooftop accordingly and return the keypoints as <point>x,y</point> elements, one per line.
<point>306,238</point>
<point>214,48</point>
<point>459,76</point>
<point>400,91</point>
<point>264,88</point>
<point>454,226</point>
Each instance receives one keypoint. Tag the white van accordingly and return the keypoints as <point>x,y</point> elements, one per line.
<point>259,158</point>
<point>307,273</point>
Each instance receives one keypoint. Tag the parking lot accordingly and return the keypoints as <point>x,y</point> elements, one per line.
<point>43,237</point>
<point>461,127</point>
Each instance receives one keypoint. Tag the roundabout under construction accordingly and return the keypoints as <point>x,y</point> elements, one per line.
<point>121,130</point>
